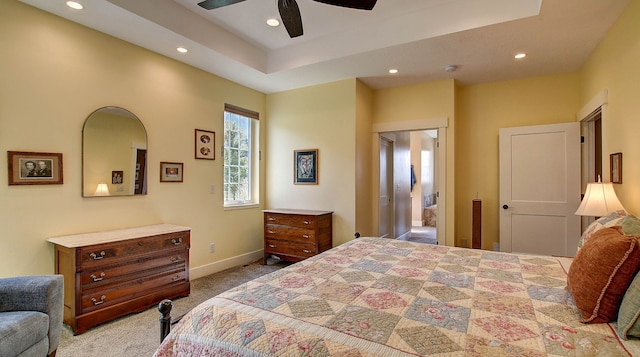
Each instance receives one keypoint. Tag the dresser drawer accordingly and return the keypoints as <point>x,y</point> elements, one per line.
<point>91,279</point>
<point>111,253</point>
<point>290,233</point>
<point>289,248</point>
<point>301,221</point>
<point>101,298</point>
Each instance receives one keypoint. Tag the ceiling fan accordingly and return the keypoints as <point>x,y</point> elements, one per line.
<point>290,13</point>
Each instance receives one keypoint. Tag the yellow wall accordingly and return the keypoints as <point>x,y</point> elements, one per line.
<point>318,117</point>
<point>614,66</point>
<point>54,74</point>
<point>364,159</point>
<point>431,100</point>
<point>481,111</point>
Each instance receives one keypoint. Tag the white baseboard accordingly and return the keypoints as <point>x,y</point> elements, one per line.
<point>208,269</point>
<point>416,223</point>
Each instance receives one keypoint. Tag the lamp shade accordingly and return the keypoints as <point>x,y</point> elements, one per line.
<point>599,200</point>
<point>102,190</point>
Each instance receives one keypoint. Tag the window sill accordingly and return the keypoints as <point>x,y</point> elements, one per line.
<point>241,206</point>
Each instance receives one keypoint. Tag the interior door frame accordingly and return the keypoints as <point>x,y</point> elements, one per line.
<point>439,124</point>
<point>586,118</point>
<point>390,177</point>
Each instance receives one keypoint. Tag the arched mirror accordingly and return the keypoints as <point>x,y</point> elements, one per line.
<point>114,154</point>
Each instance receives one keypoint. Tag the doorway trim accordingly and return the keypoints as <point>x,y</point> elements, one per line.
<point>586,118</point>
<point>441,125</point>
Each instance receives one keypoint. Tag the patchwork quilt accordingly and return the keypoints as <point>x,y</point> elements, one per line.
<point>384,297</point>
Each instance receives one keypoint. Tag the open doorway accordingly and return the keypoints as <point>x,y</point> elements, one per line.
<point>408,208</point>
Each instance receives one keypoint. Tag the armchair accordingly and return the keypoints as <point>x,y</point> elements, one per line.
<point>31,309</point>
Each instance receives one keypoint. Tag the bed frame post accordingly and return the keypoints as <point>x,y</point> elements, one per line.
<point>165,307</point>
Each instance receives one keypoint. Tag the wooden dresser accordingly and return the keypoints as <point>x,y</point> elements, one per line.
<point>113,273</point>
<point>295,235</point>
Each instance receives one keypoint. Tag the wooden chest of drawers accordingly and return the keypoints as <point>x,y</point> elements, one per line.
<point>114,273</point>
<point>295,235</point>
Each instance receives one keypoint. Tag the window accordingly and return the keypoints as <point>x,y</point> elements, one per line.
<point>241,129</point>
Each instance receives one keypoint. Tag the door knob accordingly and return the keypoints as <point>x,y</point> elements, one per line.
<point>505,206</point>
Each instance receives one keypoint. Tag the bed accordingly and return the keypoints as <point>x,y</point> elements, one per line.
<point>384,297</point>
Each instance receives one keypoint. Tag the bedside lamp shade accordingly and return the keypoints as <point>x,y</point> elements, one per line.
<point>102,190</point>
<point>599,200</point>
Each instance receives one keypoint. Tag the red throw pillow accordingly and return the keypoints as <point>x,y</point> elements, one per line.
<point>601,273</point>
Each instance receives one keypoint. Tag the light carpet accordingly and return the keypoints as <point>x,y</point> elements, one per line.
<point>139,334</point>
<point>424,234</point>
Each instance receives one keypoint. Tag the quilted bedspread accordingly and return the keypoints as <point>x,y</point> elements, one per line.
<point>383,297</point>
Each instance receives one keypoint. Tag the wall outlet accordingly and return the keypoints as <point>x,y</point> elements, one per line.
<point>212,189</point>
<point>212,247</point>
<point>464,242</point>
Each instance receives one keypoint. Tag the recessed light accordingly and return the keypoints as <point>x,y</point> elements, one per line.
<point>393,71</point>
<point>75,5</point>
<point>182,50</point>
<point>520,55</point>
<point>450,68</point>
<point>273,22</point>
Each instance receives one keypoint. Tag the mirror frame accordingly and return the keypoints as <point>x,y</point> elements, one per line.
<point>114,189</point>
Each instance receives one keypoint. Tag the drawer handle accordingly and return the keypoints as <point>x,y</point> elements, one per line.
<point>306,251</point>
<point>95,278</point>
<point>306,236</point>
<point>271,232</point>
<point>306,222</point>
<point>271,219</point>
<point>272,245</point>
<point>96,302</point>
<point>176,278</point>
<point>176,242</point>
<point>174,259</point>
<point>94,256</point>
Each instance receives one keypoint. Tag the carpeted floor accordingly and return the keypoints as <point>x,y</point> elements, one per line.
<point>424,234</point>
<point>139,334</point>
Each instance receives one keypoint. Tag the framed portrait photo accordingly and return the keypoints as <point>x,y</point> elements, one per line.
<point>34,168</point>
<point>171,172</point>
<point>305,164</point>
<point>205,144</point>
<point>615,161</point>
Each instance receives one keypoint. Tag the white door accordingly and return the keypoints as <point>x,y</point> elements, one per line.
<point>386,188</point>
<point>540,189</point>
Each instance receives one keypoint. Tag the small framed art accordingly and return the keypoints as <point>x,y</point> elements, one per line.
<point>34,168</point>
<point>616,167</point>
<point>305,167</point>
<point>117,177</point>
<point>171,172</point>
<point>205,144</point>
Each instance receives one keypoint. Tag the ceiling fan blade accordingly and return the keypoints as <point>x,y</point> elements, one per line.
<point>214,4</point>
<point>291,18</point>
<point>353,4</point>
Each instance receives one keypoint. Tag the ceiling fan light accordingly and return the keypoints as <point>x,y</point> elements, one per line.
<point>273,22</point>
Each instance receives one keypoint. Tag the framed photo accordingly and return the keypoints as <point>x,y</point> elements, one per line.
<point>171,172</point>
<point>34,168</point>
<point>117,177</point>
<point>305,164</point>
<point>205,144</point>
<point>615,167</point>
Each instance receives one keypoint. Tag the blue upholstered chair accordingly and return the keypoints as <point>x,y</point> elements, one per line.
<point>31,309</point>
